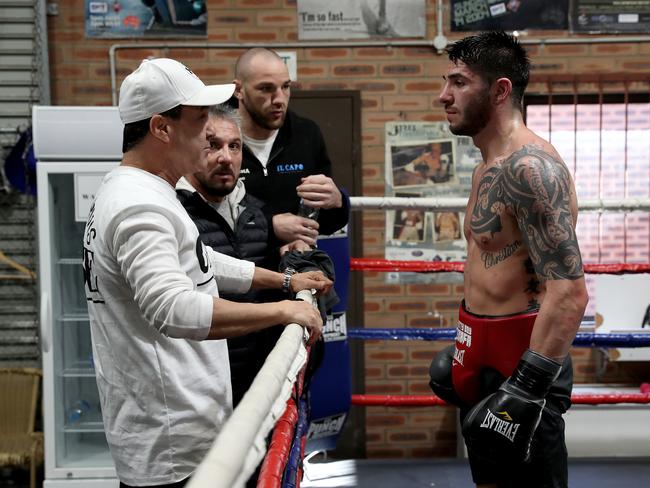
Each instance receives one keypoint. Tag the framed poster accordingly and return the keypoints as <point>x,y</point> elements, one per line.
<point>361,19</point>
<point>610,16</point>
<point>145,18</point>
<point>478,15</point>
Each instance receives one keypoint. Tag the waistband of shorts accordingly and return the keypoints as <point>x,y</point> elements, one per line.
<point>469,318</point>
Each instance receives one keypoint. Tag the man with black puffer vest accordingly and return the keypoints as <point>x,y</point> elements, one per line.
<point>524,289</point>
<point>232,222</point>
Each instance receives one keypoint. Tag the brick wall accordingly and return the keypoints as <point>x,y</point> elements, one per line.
<point>395,84</point>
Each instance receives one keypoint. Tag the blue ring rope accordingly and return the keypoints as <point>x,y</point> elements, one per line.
<point>583,339</point>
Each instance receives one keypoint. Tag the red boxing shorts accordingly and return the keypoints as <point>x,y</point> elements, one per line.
<point>486,341</point>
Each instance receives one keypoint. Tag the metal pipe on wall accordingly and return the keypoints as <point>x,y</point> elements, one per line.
<point>247,45</point>
<point>438,43</point>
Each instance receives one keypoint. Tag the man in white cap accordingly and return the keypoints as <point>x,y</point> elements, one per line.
<point>153,288</point>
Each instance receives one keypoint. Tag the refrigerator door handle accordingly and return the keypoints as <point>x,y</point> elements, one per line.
<point>46,326</point>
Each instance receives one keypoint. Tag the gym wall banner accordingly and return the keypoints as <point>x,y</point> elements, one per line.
<point>146,18</point>
<point>610,16</point>
<point>477,15</point>
<point>361,19</point>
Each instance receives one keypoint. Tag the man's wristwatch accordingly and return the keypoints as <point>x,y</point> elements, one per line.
<point>286,281</point>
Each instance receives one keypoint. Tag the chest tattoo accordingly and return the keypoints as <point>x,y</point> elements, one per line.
<point>486,215</point>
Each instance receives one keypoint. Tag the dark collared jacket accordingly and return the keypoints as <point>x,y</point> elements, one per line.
<point>298,151</point>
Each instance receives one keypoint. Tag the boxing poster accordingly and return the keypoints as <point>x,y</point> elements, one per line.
<point>145,18</point>
<point>423,159</point>
<point>478,15</point>
<point>610,16</point>
<point>361,19</point>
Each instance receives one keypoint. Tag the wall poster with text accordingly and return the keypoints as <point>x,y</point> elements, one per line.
<point>361,19</point>
<point>610,16</point>
<point>146,18</point>
<point>477,15</point>
<point>423,159</point>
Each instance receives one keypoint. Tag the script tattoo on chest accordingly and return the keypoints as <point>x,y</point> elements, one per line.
<point>493,258</point>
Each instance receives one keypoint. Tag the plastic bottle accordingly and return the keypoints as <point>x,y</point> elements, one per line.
<point>78,411</point>
<point>307,211</point>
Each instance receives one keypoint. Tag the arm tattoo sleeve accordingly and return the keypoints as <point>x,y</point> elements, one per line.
<point>538,187</point>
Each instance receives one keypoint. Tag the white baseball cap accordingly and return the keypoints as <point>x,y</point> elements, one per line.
<point>158,85</point>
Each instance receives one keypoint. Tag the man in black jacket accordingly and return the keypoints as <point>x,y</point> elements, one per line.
<point>284,156</point>
<point>233,222</point>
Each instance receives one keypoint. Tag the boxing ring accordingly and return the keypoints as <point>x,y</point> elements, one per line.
<point>276,405</point>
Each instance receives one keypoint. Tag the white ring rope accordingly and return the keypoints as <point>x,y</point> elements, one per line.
<point>459,204</point>
<point>241,444</point>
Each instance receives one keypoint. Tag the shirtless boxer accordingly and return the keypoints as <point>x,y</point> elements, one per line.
<point>524,286</point>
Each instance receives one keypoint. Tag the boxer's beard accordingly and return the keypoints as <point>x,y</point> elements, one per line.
<point>476,116</point>
<point>259,118</point>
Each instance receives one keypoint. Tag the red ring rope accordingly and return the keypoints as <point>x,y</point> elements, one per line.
<point>386,265</point>
<point>432,400</point>
<point>276,457</point>
<point>275,461</point>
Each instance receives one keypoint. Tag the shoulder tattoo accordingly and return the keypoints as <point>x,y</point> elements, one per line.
<point>537,187</point>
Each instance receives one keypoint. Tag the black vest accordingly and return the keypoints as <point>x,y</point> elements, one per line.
<point>254,241</point>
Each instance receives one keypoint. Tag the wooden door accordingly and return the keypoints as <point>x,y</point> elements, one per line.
<point>338,113</point>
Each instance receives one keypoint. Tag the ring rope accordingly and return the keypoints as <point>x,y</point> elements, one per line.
<point>582,339</point>
<point>293,471</point>
<point>432,400</point>
<point>274,462</point>
<point>241,443</point>
<point>459,204</point>
<point>388,265</point>
<point>274,466</point>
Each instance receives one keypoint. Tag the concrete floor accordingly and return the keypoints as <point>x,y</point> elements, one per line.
<point>454,473</point>
<point>436,473</point>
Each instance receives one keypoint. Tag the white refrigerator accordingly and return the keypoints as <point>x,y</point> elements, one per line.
<point>75,147</point>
